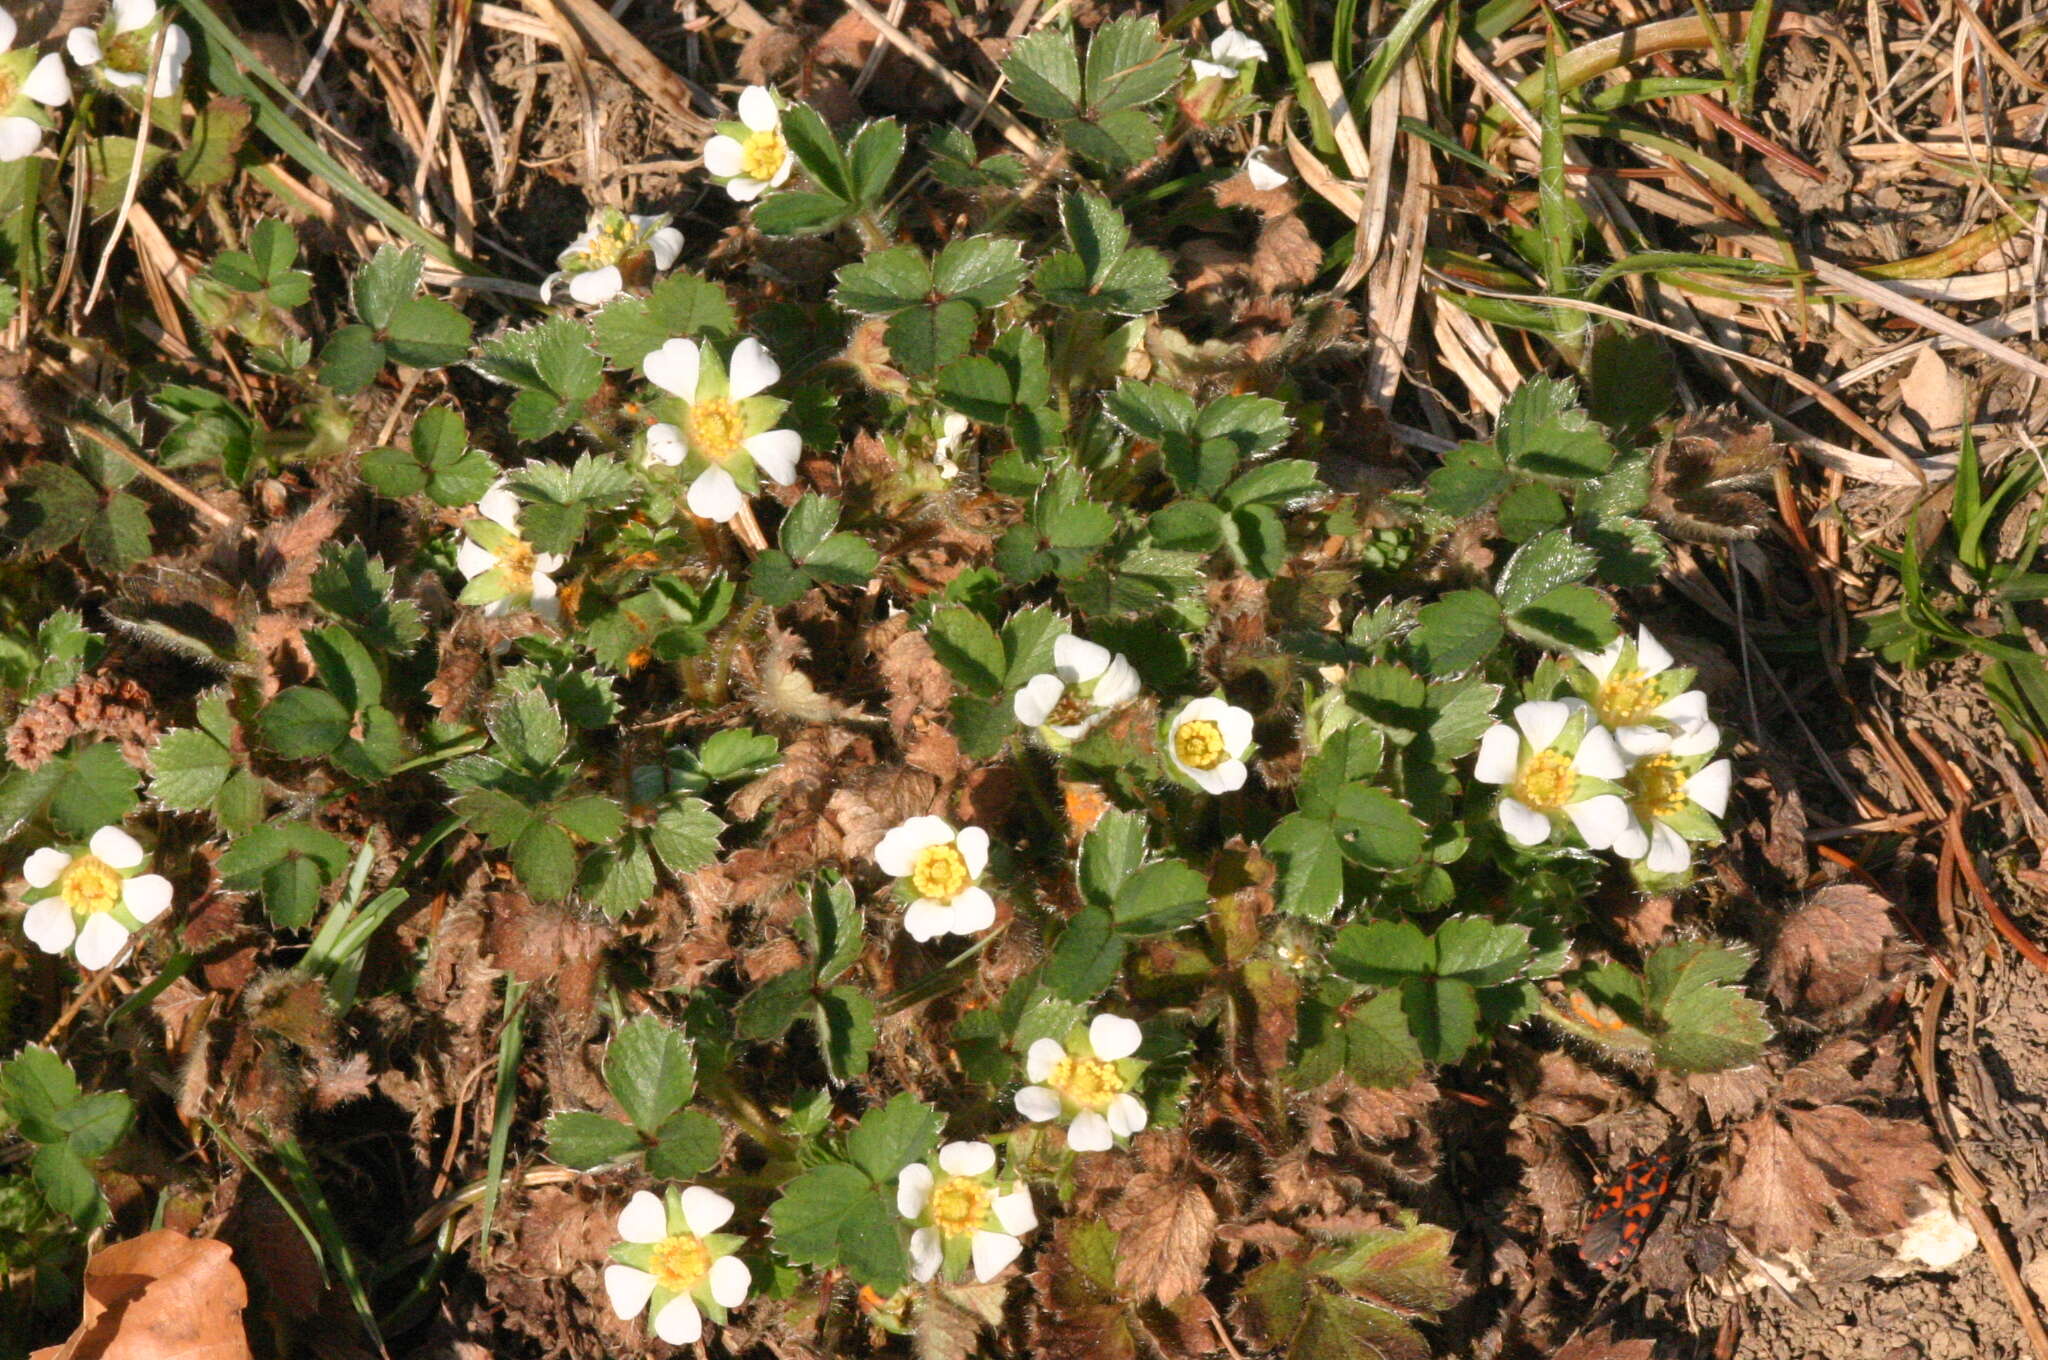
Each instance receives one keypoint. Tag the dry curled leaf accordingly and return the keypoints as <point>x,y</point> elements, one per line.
<point>1167,1224</point>
<point>160,1296</point>
<point>1797,1169</point>
<point>1831,949</point>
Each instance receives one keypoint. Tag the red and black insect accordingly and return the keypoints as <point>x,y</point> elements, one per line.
<point>1625,1209</point>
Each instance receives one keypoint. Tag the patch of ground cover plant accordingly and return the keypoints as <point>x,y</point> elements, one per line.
<point>907,806</point>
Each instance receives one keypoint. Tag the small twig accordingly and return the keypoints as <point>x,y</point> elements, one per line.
<point>99,278</point>
<point>1898,304</point>
<point>155,474</point>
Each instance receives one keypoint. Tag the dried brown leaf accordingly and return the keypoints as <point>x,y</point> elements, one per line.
<point>160,1296</point>
<point>1168,1225</point>
<point>1831,949</point>
<point>290,552</point>
<point>1286,255</point>
<point>1601,1345</point>
<point>1796,1168</point>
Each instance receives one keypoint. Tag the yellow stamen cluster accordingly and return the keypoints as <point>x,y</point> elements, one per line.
<point>1198,744</point>
<point>10,89</point>
<point>1087,1083</point>
<point>515,564</point>
<point>680,1263</point>
<point>129,51</point>
<point>1546,782</point>
<point>1070,710</point>
<point>90,885</point>
<point>1659,787</point>
<point>959,1206</point>
<point>1628,698</point>
<point>940,872</point>
<point>609,244</point>
<point>763,153</point>
<point>717,429</point>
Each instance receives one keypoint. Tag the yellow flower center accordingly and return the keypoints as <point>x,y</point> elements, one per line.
<point>680,1263</point>
<point>129,51</point>
<point>1659,787</point>
<point>1070,710</point>
<point>1546,781</point>
<point>610,245</point>
<point>762,154</point>
<point>1628,698</point>
<point>940,872</point>
<point>1087,1083</point>
<point>959,1206</point>
<point>1198,743</point>
<point>89,885</point>
<point>10,90</point>
<point>717,429</point>
<point>515,563</point>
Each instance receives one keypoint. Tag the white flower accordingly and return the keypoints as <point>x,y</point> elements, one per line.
<point>1207,741</point>
<point>1674,798</point>
<point>612,244</point>
<point>1555,770</point>
<point>1229,53</point>
<point>503,570</point>
<point>120,46</point>
<point>675,1259</point>
<point>1634,690</point>
<point>92,900</point>
<point>1089,1081</point>
<point>953,429</point>
<point>27,81</point>
<point>1263,176</point>
<point>962,1214</point>
<point>723,433</point>
<point>1087,683</point>
<point>942,867</point>
<point>751,155</point>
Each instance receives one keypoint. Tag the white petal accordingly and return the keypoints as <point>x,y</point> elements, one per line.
<point>741,189</point>
<point>597,285</point>
<point>644,1219</point>
<point>1126,1115</point>
<point>667,245</point>
<point>542,599</point>
<point>1203,69</point>
<point>1112,1037</point>
<point>775,452</point>
<point>730,1281</point>
<point>170,70</point>
<point>1239,49</point>
<point>84,45</point>
<point>705,1211</point>
<point>473,559</point>
<point>547,564</point>
<point>1599,820</point>
<point>925,1254</point>
<point>665,445</point>
<point>967,1159</point>
<point>674,368</point>
<point>992,1252</point>
<point>628,1289</point>
<point>714,496</point>
<point>1263,176</point>
<point>1542,721</point>
<point>1015,1211</point>
<point>1500,755</point>
<point>1077,659</point>
<point>8,29</point>
<point>45,866</point>
<point>1042,1057</point>
<point>1637,742</point>
<point>925,919</point>
<point>1089,1133</point>
<point>500,505</point>
<point>1117,686</point>
<point>1598,756</point>
<point>1651,656</point>
<point>913,1190</point>
<point>1632,842</point>
<point>757,109</point>
<point>1669,854</point>
<point>147,896</point>
<point>1035,1103</point>
<point>723,157</point>
<point>127,80</point>
<point>973,911</point>
<point>1207,707</point>
<point>1035,702</point>
<point>679,1323</point>
<point>1524,824</point>
<point>116,847</point>
<point>1698,742</point>
<point>1602,662</point>
<point>782,172</point>
<point>752,369</point>
<point>972,843</point>
<point>50,925</point>
<point>1236,726</point>
<point>130,15</point>
<point>47,83</point>
<point>896,852</point>
<point>1225,778</point>
<point>1685,711</point>
<point>1709,787</point>
<point>101,941</point>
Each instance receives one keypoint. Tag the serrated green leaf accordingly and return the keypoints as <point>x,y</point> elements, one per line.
<point>302,723</point>
<point>891,1138</point>
<point>650,1070</point>
<point>1541,566</point>
<point>389,277</point>
<point>351,359</point>
<point>1087,956</point>
<point>1160,898</point>
<point>685,835</point>
<point>1311,865</point>
<point>1457,632</point>
<point>1110,853</point>
<point>983,270</point>
<point>885,283</point>
<point>585,1141</point>
<point>969,648</point>
<point>187,768</point>
<point>687,1146</point>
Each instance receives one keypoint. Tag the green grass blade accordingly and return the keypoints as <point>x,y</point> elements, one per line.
<point>296,1166</point>
<point>511,1046</point>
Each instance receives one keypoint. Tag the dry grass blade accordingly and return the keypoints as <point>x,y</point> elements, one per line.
<point>961,88</point>
<point>1899,304</point>
<point>611,41</point>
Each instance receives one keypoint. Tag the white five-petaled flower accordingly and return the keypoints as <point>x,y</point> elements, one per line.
<point>596,263</point>
<point>119,46</point>
<point>1229,52</point>
<point>1263,176</point>
<point>752,155</point>
<point>675,1265</point>
<point>1555,768</point>
<point>1089,1081</point>
<point>962,1214</point>
<point>724,432</point>
<point>1087,683</point>
<point>1207,741</point>
<point>1674,797</point>
<point>91,901</point>
<point>1636,691</point>
<point>28,83</point>
<point>941,868</point>
<point>503,570</point>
